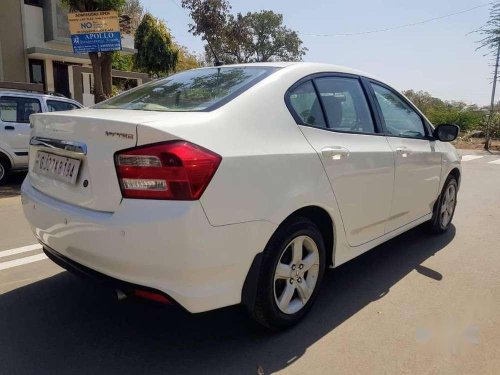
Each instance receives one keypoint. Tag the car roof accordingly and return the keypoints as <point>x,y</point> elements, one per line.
<point>31,94</point>
<point>37,95</point>
<point>312,66</point>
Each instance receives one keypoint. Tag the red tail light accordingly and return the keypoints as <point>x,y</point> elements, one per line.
<point>175,170</point>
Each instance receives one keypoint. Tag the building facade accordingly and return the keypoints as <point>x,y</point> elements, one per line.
<point>35,47</point>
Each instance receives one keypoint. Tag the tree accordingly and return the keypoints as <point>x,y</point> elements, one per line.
<point>438,111</point>
<point>491,42</point>
<point>272,40</point>
<point>101,61</point>
<point>135,11</point>
<point>130,17</point>
<point>253,37</point>
<point>210,19</point>
<point>186,60</point>
<point>156,53</point>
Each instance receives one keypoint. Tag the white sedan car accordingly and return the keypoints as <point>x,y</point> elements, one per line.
<point>237,184</point>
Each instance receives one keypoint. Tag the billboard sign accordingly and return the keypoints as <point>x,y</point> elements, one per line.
<point>95,31</point>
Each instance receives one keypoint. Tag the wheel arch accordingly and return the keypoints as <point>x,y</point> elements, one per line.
<point>455,172</point>
<point>4,157</point>
<point>321,218</point>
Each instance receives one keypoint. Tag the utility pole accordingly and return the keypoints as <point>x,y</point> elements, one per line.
<point>490,117</point>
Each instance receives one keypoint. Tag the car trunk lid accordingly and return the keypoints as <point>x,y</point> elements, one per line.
<point>91,137</point>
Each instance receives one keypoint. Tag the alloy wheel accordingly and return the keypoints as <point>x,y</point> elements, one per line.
<point>296,274</point>
<point>448,205</point>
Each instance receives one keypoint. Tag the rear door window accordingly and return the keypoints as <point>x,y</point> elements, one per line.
<point>305,103</point>
<point>17,109</point>
<point>345,104</point>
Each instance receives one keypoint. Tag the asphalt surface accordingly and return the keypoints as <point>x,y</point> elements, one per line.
<point>417,304</point>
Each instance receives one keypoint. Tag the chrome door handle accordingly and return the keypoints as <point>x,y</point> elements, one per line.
<point>335,152</point>
<point>403,151</point>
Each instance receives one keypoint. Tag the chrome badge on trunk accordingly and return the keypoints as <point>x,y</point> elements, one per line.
<point>119,135</point>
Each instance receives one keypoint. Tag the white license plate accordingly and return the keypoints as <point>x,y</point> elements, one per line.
<point>58,167</point>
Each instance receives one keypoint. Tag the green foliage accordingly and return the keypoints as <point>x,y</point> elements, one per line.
<point>272,40</point>
<point>491,31</point>
<point>468,117</point>
<point>156,53</point>
<point>123,61</point>
<point>495,125</point>
<point>93,5</point>
<point>253,37</point>
<point>187,60</point>
<point>209,16</point>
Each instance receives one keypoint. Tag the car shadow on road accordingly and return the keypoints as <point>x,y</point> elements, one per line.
<point>11,186</point>
<point>66,325</point>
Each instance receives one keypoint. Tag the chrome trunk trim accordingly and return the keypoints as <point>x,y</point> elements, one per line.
<point>72,146</point>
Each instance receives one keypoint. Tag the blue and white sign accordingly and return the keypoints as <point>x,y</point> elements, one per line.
<point>95,31</point>
<point>96,42</point>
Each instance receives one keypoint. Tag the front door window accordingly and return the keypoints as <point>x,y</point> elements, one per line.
<point>400,119</point>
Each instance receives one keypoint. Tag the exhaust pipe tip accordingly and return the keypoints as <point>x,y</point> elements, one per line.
<point>120,295</point>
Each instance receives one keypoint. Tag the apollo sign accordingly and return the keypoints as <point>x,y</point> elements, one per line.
<point>95,31</point>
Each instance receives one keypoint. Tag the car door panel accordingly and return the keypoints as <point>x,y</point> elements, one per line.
<point>418,172</point>
<point>14,113</point>
<point>417,159</point>
<point>362,179</point>
<point>336,120</point>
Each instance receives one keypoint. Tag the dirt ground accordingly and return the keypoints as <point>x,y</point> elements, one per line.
<point>476,144</point>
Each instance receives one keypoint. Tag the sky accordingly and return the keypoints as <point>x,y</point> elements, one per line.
<point>439,56</point>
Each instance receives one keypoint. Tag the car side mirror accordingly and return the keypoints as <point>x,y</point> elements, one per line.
<point>446,132</point>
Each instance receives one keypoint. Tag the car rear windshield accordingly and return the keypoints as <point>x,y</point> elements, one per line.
<point>194,90</point>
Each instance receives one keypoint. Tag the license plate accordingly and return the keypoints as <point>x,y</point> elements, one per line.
<point>58,167</point>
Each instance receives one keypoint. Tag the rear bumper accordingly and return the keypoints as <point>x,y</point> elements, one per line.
<point>167,246</point>
<point>82,271</point>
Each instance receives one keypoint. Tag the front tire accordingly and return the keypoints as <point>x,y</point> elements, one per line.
<point>292,268</point>
<point>444,208</point>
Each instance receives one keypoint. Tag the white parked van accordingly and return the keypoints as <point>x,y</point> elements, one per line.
<point>15,110</point>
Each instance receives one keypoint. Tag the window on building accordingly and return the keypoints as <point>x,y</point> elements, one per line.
<point>16,109</point>
<point>37,71</point>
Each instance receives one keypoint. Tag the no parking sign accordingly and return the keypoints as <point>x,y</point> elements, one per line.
<point>95,31</point>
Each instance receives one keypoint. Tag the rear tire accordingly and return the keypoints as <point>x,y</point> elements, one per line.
<point>292,268</point>
<point>444,209</point>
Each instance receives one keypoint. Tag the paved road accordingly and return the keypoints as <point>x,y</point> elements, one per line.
<point>418,304</point>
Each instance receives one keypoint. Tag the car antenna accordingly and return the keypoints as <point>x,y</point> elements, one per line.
<point>217,61</point>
